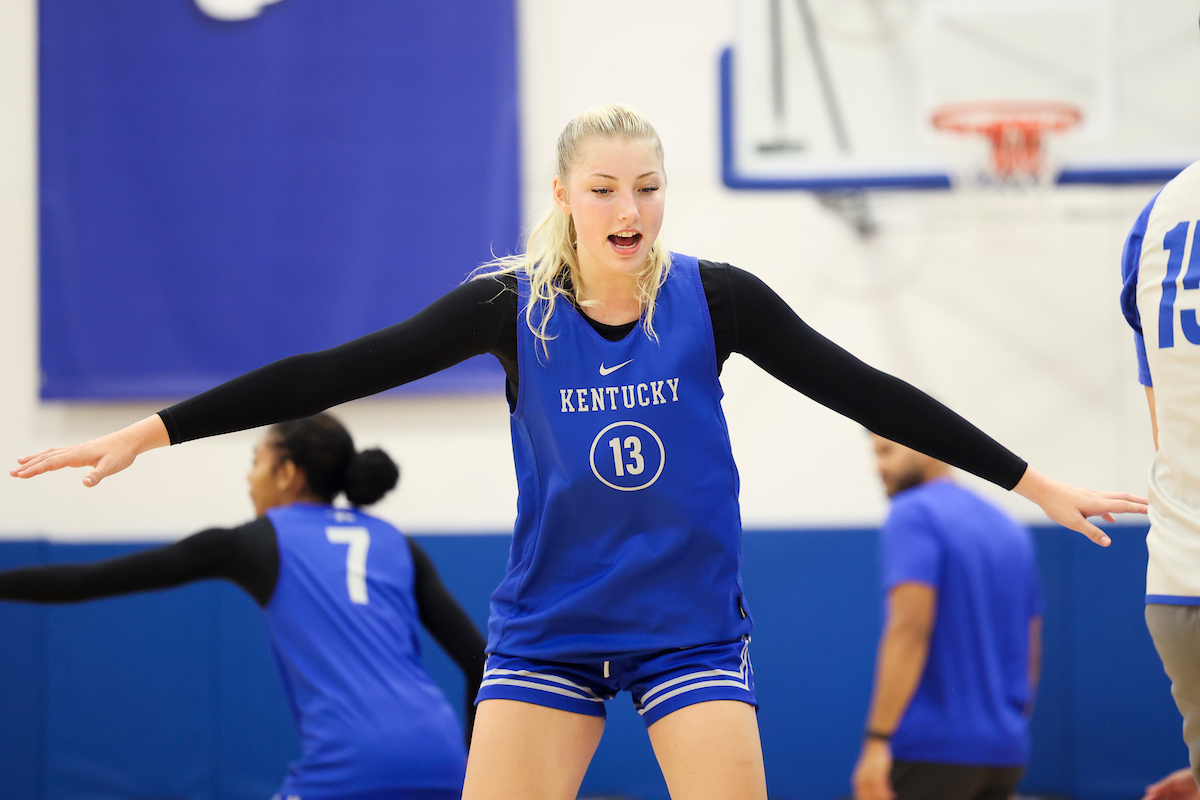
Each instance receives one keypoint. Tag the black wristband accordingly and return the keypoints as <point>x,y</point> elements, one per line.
<point>879,735</point>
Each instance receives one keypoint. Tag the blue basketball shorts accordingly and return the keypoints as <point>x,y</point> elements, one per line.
<point>659,683</point>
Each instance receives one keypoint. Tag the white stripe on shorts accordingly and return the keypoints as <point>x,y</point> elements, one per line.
<point>543,687</point>
<point>743,683</point>
<point>690,687</point>
<point>525,673</point>
<point>691,676</point>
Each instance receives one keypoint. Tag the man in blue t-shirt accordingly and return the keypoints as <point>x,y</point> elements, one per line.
<point>959,657</point>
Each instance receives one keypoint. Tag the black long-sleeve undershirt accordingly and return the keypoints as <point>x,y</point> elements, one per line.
<point>481,316</point>
<point>451,628</point>
<point>247,556</point>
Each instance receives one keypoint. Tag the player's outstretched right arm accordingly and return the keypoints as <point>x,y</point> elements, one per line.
<point>463,323</point>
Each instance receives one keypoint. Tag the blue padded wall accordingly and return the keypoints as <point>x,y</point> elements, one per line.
<point>253,732</point>
<point>1105,711</point>
<point>173,694</point>
<point>236,192</point>
<point>22,676</point>
<point>129,695</point>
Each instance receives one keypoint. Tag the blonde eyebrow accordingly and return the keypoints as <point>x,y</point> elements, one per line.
<point>611,178</point>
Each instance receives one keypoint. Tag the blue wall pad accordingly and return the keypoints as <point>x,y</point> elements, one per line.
<point>23,678</point>
<point>173,694</point>
<point>233,192</point>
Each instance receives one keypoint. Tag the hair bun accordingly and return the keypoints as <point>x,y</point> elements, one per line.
<point>370,475</point>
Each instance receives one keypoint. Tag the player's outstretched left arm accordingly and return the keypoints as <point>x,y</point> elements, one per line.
<point>107,455</point>
<point>771,335</point>
<point>1070,506</point>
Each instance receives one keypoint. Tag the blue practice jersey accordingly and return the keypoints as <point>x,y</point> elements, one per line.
<point>343,623</point>
<point>628,533</point>
<point>970,706</point>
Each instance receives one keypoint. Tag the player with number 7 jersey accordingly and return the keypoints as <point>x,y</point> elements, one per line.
<point>343,593</point>
<point>342,633</point>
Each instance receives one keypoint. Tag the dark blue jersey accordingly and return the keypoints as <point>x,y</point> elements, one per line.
<point>343,623</point>
<point>970,706</point>
<point>628,532</point>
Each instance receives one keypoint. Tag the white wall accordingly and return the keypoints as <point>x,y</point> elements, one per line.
<point>1007,313</point>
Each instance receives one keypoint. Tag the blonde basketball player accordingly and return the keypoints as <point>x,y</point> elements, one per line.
<point>624,572</point>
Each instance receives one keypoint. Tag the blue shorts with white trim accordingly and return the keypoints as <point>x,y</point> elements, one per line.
<point>659,683</point>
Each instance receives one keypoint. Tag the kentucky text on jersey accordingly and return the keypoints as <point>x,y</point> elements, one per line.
<point>628,536</point>
<point>631,395</point>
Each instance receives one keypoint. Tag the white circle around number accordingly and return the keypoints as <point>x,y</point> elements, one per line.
<point>662,457</point>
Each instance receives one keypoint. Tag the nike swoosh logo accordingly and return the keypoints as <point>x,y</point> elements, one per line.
<point>610,370</point>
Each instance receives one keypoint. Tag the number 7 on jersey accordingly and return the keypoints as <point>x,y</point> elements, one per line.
<point>359,540</point>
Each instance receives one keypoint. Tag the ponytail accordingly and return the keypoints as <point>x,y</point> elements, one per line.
<point>369,476</point>
<point>322,448</point>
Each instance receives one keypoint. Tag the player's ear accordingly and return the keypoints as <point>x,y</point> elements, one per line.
<point>560,196</point>
<point>287,474</point>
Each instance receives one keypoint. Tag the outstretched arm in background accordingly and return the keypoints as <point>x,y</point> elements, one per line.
<point>247,556</point>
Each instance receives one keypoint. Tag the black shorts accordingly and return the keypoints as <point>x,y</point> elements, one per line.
<point>918,780</point>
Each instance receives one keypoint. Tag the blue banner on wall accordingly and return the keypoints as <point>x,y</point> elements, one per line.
<point>227,182</point>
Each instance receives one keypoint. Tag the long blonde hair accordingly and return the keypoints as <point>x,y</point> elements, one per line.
<point>550,262</point>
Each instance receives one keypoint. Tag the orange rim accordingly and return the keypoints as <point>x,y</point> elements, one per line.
<point>1014,128</point>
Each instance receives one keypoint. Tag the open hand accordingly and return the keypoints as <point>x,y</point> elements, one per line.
<point>107,455</point>
<point>1070,506</point>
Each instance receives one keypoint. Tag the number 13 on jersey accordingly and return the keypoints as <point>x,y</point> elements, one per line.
<point>627,456</point>
<point>1175,243</point>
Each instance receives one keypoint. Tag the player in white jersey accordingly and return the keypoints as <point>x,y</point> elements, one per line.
<point>1160,298</point>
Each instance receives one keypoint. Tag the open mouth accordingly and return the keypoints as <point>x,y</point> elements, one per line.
<point>625,242</point>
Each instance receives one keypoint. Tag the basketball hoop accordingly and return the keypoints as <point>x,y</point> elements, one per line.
<point>1017,132</point>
